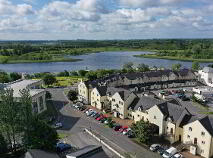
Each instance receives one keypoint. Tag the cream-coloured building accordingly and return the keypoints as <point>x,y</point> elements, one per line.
<point>206,76</point>
<point>120,102</point>
<point>37,94</point>
<point>199,134</point>
<point>99,98</point>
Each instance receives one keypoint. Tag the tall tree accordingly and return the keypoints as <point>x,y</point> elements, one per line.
<point>143,67</point>
<point>10,117</point>
<point>72,95</point>
<point>49,79</point>
<point>195,66</point>
<point>176,67</point>
<point>128,66</point>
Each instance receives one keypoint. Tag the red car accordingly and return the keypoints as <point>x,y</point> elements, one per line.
<point>99,118</point>
<point>123,129</point>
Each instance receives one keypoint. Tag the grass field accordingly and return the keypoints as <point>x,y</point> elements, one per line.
<point>173,58</point>
<point>68,81</point>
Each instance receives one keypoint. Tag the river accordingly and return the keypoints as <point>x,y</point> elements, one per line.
<point>103,60</point>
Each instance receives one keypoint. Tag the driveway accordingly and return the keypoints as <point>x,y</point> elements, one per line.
<point>74,122</point>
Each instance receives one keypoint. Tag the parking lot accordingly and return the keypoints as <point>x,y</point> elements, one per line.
<point>74,121</point>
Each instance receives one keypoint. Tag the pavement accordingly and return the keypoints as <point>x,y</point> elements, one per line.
<point>75,121</point>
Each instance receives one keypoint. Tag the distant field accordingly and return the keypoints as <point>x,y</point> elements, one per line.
<point>173,58</point>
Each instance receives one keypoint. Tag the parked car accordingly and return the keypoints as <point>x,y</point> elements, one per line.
<point>170,152</point>
<point>82,108</point>
<point>130,134</point>
<point>117,127</point>
<point>90,113</point>
<point>123,128</point>
<point>103,120</point>
<point>154,147</point>
<point>97,115</point>
<point>161,150</point>
<point>100,117</point>
<point>93,114</point>
<point>58,125</point>
<point>60,146</point>
<point>125,131</point>
<point>178,155</point>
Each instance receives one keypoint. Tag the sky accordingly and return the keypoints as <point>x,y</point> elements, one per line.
<point>105,19</point>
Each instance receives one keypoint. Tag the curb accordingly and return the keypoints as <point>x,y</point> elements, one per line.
<point>102,142</point>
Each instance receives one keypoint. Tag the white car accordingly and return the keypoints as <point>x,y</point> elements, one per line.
<point>178,155</point>
<point>88,111</point>
<point>154,147</point>
<point>58,125</point>
<point>126,131</point>
<point>170,152</point>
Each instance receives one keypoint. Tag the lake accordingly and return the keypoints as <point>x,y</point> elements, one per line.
<point>103,60</point>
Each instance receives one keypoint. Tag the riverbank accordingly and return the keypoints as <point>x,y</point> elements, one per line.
<point>8,60</point>
<point>153,56</point>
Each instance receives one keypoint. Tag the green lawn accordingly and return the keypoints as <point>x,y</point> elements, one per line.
<point>68,81</point>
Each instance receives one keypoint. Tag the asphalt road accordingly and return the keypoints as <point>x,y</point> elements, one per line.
<point>74,122</point>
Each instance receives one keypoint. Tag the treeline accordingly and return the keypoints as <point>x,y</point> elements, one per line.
<point>9,77</point>
<point>8,48</point>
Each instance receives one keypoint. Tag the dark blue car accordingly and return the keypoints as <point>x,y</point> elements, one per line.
<point>60,147</point>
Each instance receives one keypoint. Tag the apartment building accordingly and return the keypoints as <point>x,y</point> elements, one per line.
<point>206,76</point>
<point>199,133</point>
<point>99,98</point>
<point>37,94</point>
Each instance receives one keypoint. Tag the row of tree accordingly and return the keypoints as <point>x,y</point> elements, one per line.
<point>9,77</point>
<point>18,125</point>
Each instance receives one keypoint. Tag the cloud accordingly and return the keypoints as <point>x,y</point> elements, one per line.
<point>84,10</point>
<point>9,9</point>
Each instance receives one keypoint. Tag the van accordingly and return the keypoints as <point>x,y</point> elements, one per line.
<point>169,152</point>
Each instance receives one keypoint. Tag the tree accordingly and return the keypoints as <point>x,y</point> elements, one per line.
<point>4,77</point>
<point>176,67</point>
<point>143,131</point>
<point>82,73</point>
<point>15,76</point>
<point>196,49</point>
<point>49,79</point>
<point>48,95</point>
<point>128,66</point>
<point>10,117</point>
<point>195,66</point>
<point>143,67</point>
<point>91,75</point>
<point>42,136</point>
<point>3,144</point>
<point>72,95</point>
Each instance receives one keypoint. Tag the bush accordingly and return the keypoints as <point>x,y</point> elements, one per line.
<point>72,95</point>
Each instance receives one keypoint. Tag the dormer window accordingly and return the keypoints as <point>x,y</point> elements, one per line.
<point>190,128</point>
<point>139,109</point>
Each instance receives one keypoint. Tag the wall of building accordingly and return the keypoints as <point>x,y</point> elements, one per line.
<point>127,104</point>
<point>156,117</point>
<point>203,141</point>
<point>83,93</point>
<point>97,100</point>
<point>40,100</point>
<point>118,105</point>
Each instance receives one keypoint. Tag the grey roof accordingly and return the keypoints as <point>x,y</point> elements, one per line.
<point>23,84</point>
<point>144,103</point>
<point>172,111</point>
<point>35,153</point>
<point>112,90</point>
<point>124,94</point>
<point>207,123</point>
<point>102,90</point>
<point>208,69</point>
<point>86,151</point>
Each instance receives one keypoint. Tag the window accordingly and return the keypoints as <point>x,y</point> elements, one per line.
<point>41,103</point>
<point>154,117</point>
<point>203,142</point>
<point>202,151</point>
<point>203,133</point>
<point>190,128</point>
<point>195,141</point>
<point>138,115</point>
<point>171,131</point>
<point>35,107</point>
<point>97,95</point>
<point>188,136</point>
<point>113,100</point>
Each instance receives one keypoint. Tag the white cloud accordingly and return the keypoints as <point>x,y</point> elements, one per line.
<point>88,10</point>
